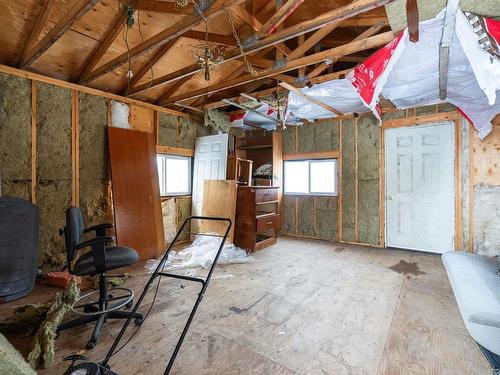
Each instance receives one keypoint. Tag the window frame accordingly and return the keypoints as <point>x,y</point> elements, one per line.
<point>335,193</point>
<point>166,156</point>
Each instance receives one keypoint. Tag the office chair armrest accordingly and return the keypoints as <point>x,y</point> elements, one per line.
<point>99,229</point>
<point>94,241</point>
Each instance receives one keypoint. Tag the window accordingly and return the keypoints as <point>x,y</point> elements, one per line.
<point>311,177</point>
<point>174,173</point>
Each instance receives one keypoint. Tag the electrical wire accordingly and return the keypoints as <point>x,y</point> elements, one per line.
<point>147,49</point>
<point>251,69</point>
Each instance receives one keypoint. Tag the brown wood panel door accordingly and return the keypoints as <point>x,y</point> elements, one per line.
<point>136,192</point>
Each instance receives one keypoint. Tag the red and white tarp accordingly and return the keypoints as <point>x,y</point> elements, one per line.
<point>408,75</point>
<point>250,119</point>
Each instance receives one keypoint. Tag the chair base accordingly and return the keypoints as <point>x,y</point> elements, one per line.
<point>100,320</point>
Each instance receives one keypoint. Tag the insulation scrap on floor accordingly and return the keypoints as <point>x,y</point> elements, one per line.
<point>11,361</point>
<point>201,253</point>
<point>43,352</point>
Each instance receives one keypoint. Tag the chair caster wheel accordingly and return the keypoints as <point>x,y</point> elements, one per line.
<point>90,345</point>
<point>129,304</point>
<point>138,321</point>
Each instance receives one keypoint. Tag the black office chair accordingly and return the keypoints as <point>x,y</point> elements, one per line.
<point>103,257</point>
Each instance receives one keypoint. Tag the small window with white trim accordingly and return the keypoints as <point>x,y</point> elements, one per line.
<point>174,174</point>
<point>311,177</point>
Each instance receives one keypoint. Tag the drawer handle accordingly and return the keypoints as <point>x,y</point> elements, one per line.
<point>267,194</point>
<point>269,222</point>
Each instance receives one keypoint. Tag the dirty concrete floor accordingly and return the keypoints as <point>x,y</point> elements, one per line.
<point>301,307</point>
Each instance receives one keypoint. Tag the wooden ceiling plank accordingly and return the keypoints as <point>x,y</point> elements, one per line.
<point>149,65</point>
<point>164,7</point>
<point>79,8</point>
<point>365,34</point>
<point>103,47</point>
<point>279,17</point>
<point>363,21</point>
<point>311,99</point>
<point>227,40</point>
<point>352,9</point>
<point>368,43</point>
<point>37,28</point>
<point>170,33</point>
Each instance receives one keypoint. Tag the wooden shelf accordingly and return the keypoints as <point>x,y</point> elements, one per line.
<point>259,203</point>
<point>264,214</point>
<point>257,147</point>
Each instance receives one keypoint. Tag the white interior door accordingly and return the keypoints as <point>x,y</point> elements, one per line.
<point>210,163</point>
<point>419,181</point>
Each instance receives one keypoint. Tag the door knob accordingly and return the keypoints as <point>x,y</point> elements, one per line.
<point>389,197</point>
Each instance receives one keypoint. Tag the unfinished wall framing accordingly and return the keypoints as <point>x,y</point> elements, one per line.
<point>360,203</point>
<point>54,150</point>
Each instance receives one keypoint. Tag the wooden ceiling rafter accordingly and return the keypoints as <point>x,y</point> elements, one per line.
<point>339,14</point>
<point>41,18</point>
<point>355,46</point>
<point>311,99</point>
<point>79,8</point>
<point>283,12</point>
<point>365,34</point>
<point>308,43</point>
<point>241,14</point>
<point>170,33</point>
<point>171,90</point>
<point>257,94</point>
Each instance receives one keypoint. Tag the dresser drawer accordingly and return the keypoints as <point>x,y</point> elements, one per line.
<point>266,195</point>
<point>268,222</point>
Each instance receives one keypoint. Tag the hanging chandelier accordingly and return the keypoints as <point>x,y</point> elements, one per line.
<point>277,101</point>
<point>208,58</point>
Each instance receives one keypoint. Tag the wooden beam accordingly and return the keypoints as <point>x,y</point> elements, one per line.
<point>89,90</point>
<point>311,99</point>
<point>342,13</point>
<point>312,155</point>
<point>149,65</point>
<point>259,94</point>
<point>311,41</point>
<point>368,43</point>
<point>279,17</point>
<point>240,13</point>
<point>365,34</point>
<point>68,19</point>
<point>164,7</point>
<point>170,33</point>
<point>33,141</point>
<point>227,40</point>
<point>412,19</point>
<point>189,107</point>
<point>101,49</point>
<point>174,150</point>
<point>444,50</point>
<point>172,90</point>
<point>75,149</point>
<point>363,21</point>
<point>37,28</point>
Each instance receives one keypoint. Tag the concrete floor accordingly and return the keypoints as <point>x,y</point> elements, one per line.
<point>301,307</point>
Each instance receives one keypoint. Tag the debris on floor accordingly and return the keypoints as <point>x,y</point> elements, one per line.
<point>43,352</point>
<point>201,253</point>
<point>11,361</point>
<point>112,281</point>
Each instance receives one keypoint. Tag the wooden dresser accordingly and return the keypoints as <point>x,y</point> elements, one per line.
<point>257,217</point>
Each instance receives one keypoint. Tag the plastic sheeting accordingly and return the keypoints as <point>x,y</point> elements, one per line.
<point>201,253</point>
<point>414,78</point>
<point>339,94</point>
<point>408,75</point>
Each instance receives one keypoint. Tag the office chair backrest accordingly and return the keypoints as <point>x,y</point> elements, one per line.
<point>19,227</point>
<point>73,232</point>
